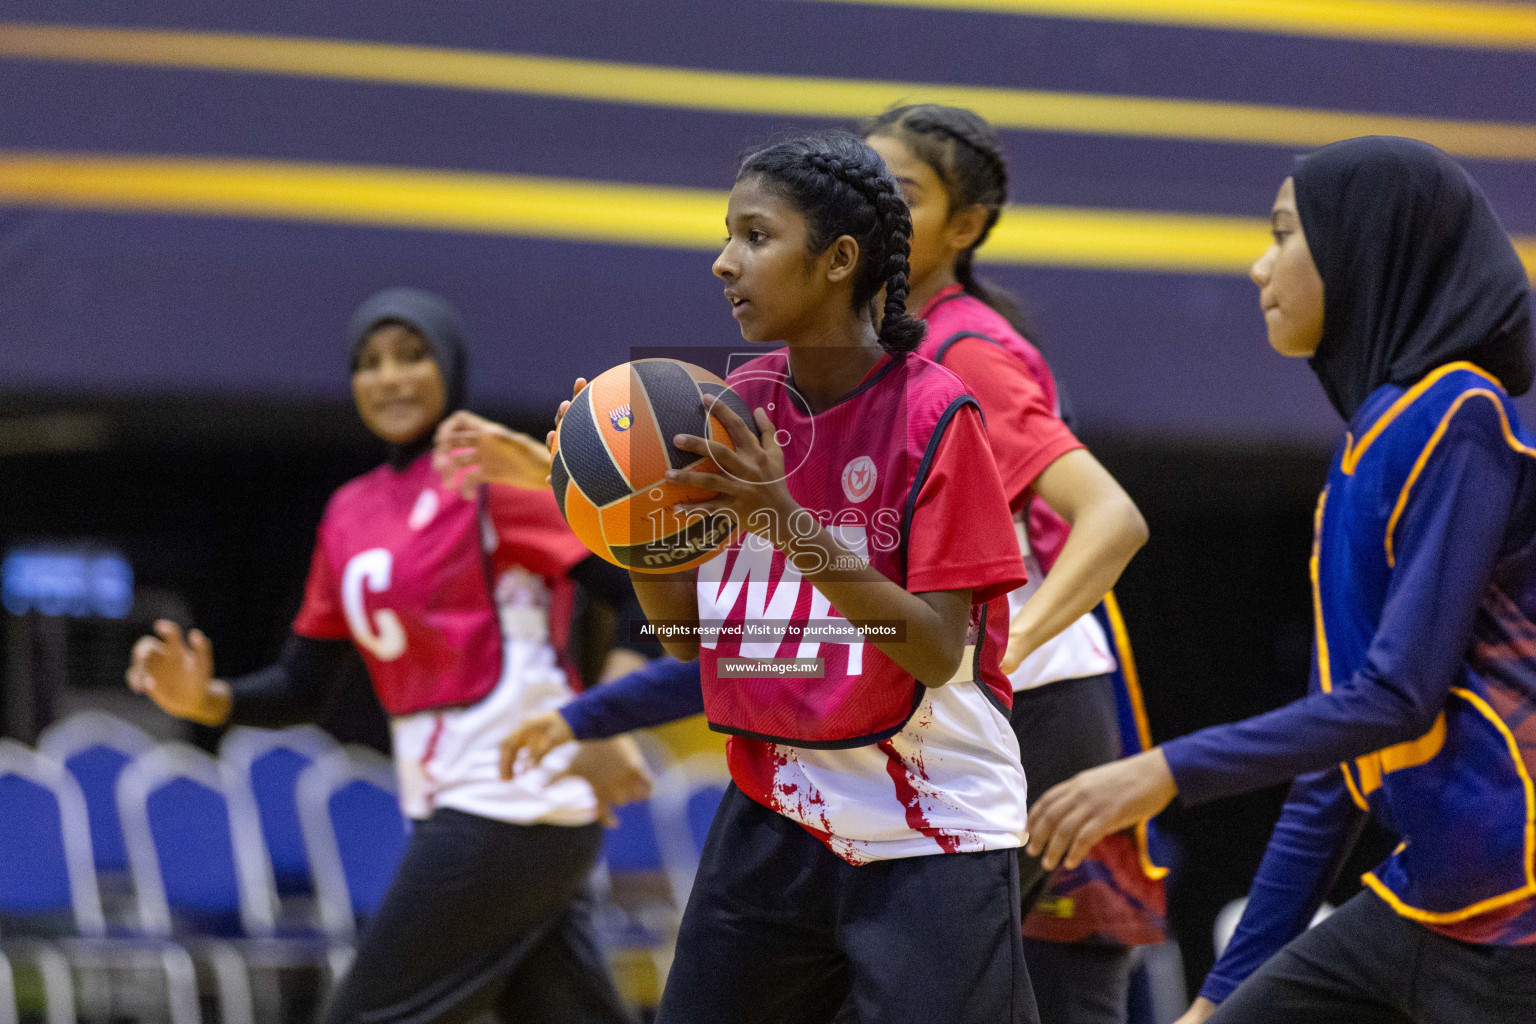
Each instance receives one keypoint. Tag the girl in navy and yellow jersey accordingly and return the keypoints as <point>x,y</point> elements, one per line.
<point>1389,270</point>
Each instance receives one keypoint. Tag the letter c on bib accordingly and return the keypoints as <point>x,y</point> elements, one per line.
<point>371,569</point>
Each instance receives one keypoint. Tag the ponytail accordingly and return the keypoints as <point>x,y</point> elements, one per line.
<point>963,150</point>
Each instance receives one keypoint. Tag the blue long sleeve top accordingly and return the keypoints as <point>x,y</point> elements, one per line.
<point>1422,693</point>
<point>662,691</point>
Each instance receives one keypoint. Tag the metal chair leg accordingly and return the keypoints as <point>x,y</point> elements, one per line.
<point>58,980</point>
<point>8,1012</point>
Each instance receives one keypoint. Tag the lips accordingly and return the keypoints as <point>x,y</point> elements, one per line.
<point>398,406</point>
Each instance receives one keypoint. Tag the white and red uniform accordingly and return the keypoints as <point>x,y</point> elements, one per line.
<point>866,758</point>
<point>1024,423</point>
<point>459,609</point>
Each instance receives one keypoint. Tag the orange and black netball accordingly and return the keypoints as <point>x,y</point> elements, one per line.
<point>613,450</point>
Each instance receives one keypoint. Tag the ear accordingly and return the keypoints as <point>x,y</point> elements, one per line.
<point>842,259</point>
<point>965,226</point>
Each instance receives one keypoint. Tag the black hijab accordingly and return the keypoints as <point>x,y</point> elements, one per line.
<point>1417,271</point>
<point>436,320</point>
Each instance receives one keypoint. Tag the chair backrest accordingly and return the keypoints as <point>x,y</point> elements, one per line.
<point>96,747</point>
<point>630,846</point>
<point>683,805</point>
<point>45,842</point>
<point>354,833</point>
<point>194,845</point>
<point>266,763</point>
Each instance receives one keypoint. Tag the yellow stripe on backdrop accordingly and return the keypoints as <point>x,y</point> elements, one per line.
<point>589,211</point>
<point>1492,26</point>
<point>734,92</point>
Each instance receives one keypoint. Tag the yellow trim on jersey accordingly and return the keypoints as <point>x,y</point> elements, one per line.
<point>1122,641</point>
<point>1324,673</point>
<point>1353,453</point>
<point>1493,902</point>
<point>1429,447</point>
<point>1492,26</point>
<point>1324,667</point>
<point>1408,754</point>
<point>742,93</point>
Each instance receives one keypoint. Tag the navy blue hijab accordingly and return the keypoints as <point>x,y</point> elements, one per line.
<point>1417,270</point>
<point>435,319</point>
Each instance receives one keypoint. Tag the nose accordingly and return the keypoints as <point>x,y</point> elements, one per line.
<point>724,267</point>
<point>1262,268</point>
<point>390,370</point>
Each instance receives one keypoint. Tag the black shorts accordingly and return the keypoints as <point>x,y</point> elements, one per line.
<point>481,915</point>
<point>1367,964</point>
<point>779,930</point>
<point>1063,728</point>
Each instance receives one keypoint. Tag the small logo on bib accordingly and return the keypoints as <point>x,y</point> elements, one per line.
<point>620,418</point>
<point>426,508</point>
<point>859,478</point>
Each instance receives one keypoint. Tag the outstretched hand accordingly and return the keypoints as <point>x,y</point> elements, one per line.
<point>538,736</point>
<point>470,450</point>
<point>1071,817</point>
<point>616,771</point>
<point>614,768</point>
<point>177,674</point>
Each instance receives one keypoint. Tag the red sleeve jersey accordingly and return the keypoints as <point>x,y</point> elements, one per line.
<point>1026,434</point>
<point>531,532</point>
<point>321,617</point>
<point>950,546</point>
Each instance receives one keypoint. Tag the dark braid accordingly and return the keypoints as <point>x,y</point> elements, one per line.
<point>842,188</point>
<point>964,152</point>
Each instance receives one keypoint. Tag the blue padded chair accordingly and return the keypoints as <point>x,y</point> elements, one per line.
<point>631,845</point>
<point>96,747</point>
<point>201,872</point>
<point>45,848</point>
<point>266,763</point>
<point>354,833</point>
<point>355,836</point>
<point>194,845</point>
<point>683,806</point>
<point>48,885</point>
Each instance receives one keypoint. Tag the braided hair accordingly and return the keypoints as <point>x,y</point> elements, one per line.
<point>964,152</point>
<point>841,187</point>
